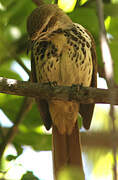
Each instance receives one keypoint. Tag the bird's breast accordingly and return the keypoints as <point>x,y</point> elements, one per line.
<point>65,57</point>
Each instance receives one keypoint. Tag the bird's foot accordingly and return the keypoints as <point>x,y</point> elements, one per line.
<point>52,84</point>
<point>76,87</point>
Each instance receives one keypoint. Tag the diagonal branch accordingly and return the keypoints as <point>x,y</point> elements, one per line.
<point>19,61</point>
<point>1,132</point>
<point>27,103</point>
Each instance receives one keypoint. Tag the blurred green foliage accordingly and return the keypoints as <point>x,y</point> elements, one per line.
<point>13,43</point>
<point>70,173</point>
<point>29,176</point>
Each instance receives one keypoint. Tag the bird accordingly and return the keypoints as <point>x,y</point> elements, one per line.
<point>63,52</point>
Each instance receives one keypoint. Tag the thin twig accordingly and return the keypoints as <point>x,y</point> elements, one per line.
<point>27,103</point>
<point>56,1</point>
<point>109,73</point>
<point>1,132</point>
<point>19,61</point>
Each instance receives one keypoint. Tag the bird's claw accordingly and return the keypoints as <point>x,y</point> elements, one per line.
<point>76,87</point>
<point>53,84</point>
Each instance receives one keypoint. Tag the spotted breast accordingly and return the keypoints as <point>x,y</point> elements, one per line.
<point>64,56</point>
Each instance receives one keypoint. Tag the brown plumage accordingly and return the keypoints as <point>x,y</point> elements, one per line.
<point>62,52</point>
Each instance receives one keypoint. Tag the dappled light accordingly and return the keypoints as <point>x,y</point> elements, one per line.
<point>67,6</point>
<point>2,8</point>
<point>108,65</point>
<point>15,32</point>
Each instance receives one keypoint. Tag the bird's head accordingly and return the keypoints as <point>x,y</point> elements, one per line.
<point>46,19</point>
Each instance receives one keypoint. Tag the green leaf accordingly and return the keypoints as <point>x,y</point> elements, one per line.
<point>10,74</point>
<point>82,2</point>
<point>29,176</point>
<point>86,17</point>
<point>114,1</point>
<point>67,6</point>
<point>80,121</point>
<point>113,27</point>
<point>10,157</point>
<point>18,148</point>
<point>32,118</point>
<point>36,140</point>
<point>110,9</point>
<point>10,105</point>
<point>71,173</point>
<point>103,166</point>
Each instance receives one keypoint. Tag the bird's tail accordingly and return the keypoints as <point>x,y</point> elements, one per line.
<point>66,150</point>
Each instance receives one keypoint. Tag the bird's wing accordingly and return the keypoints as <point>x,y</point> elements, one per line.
<point>86,110</point>
<point>42,104</point>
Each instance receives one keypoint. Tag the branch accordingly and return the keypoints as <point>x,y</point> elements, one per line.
<point>109,72</point>
<point>89,139</point>
<point>99,139</point>
<point>19,61</point>
<point>47,91</point>
<point>105,50</point>
<point>27,103</point>
<point>1,132</point>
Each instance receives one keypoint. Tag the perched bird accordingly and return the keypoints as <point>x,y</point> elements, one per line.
<point>62,52</point>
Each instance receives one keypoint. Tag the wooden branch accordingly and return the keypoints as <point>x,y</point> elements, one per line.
<point>19,61</point>
<point>99,139</point>
<point>49,91</point>
<point>109,72</point>
<point>90,139</point>
<point>27,103</point>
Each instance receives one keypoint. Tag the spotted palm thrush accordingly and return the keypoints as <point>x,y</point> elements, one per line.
<point>62,52</point>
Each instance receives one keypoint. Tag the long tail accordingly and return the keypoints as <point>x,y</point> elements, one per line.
<point>66,150</point>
